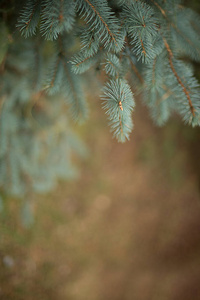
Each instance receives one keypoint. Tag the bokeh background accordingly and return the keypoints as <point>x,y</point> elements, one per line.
<point>127,229</point>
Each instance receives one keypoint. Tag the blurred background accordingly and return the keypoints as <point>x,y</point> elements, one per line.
<point>128,228</point>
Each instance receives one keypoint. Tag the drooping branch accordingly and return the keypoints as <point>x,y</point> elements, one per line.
<point>186,92</point>
<point>112,35</point>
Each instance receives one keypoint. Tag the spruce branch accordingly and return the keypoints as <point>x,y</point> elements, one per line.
<point>90,41</point>
<point>141,25</point>
<point>113,66</point>
<point>102,21</point>
<point>29,18</point>
<point>57,16</point>
<point>112,35</point>
<point>186,92</point>
<point>119,103</point>
<point>186,20</point>
<point>81,63</point>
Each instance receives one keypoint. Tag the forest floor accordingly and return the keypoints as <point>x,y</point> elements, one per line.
<point>127,229</point>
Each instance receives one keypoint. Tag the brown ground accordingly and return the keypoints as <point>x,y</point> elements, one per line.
<point>128,229</point>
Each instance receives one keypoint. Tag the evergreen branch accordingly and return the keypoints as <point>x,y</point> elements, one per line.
<point>157,95</point>
<point>186,39</point>
<point>113,65</point>
<point>102,22</point>
<point>90,41</point>
<point>32,14</point>
<point>57,16</point>
<point>72,87</point>
<point>174,26</point>
<point>105,24</point>
<point>119,103</point>
<point>81,63</point>
<point>29,18</point>
<point>170,56</point>
<point>141,24</point>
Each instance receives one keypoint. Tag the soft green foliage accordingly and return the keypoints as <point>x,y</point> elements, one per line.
<point>102,21</point>
<point>119,104</point>
<point>57,17</point>
<point>141,26</point>
<point>37,142</point>
<point>151,44</point>
<point>29,18</point>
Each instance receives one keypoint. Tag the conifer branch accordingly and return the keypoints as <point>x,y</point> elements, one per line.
<point>185,37</point>
<point>75,97</point>
<point>141,24</point>
<point>113,66</point>
<point>186,92</point>
<point>104,23</point>
<point>81,62</point>
<point>164,13</point>
<point>119,103</point>
<point>101,20</point>
<point>31,16</point>
<point>57,16</point>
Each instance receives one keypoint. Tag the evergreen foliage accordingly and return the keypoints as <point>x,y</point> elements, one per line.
<point>47,45</point>
<point>119,104</point>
